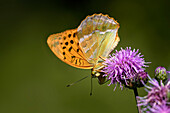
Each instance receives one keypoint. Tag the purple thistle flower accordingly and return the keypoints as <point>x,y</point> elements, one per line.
<point>160,109</point>
<point>125,67</point>
<point>157,96</point>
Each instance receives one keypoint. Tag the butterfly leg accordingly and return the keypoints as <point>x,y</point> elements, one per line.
<point>103,58</point>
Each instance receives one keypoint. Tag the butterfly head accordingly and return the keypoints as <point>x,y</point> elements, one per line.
<point>99,75</point>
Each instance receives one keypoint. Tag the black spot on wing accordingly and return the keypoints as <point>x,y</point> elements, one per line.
<point>64,37</point>
<point>69,35</point>
<point>70,49</point>
<point>71,41</point>
<point>74,35</point>
<point>72,56</point>
<point>79,61</point>
<point>66,43</point>
<point>76,61</point>
<point>64,47</point>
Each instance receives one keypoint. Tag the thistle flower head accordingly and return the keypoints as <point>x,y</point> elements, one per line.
<point>126,67</point>
<point>160,109</point>
<point>157,95</point>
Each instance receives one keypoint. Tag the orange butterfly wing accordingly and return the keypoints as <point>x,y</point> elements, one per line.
<point>65,46</point>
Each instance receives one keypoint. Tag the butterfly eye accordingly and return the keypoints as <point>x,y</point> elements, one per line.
<point>101,79</point>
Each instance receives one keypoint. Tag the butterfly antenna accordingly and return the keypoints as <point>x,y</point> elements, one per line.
<point>91,87</point>
<point>77,81</point>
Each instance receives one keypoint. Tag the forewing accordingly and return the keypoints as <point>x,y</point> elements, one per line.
<point>66,47</point>
<point>97,35</point>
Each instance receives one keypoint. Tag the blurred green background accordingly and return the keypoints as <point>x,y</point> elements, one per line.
<point>33,79</point>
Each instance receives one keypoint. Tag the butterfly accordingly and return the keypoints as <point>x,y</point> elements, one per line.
<point>87,46</point>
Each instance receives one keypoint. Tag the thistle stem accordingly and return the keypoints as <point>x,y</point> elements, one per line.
<point>136,94</point>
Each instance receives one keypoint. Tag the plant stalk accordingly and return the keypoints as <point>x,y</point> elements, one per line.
<point>136,94</point>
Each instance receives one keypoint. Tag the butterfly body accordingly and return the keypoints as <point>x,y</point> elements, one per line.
<point>86,46</point>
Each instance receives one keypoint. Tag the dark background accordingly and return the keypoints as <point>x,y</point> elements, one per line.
<point>33,80</point>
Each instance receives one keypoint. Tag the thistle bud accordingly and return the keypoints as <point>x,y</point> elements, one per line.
<point>160,73</point>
